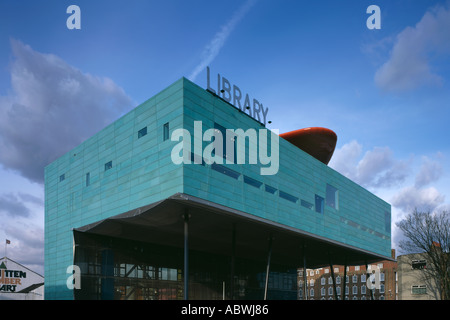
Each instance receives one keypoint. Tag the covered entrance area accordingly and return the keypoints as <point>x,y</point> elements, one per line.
<point>188,248</point>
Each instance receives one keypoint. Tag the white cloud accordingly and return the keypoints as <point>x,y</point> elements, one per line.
<point>376,169</point>
<point>27,244</point>
<point>423,199</point>
<point>401,183</point>
<point>53,107</point>
<point>409,65</point>
<point>430,171</point>
<point>217,42</point>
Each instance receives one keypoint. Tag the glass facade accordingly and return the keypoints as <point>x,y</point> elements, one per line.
<point>119,269</point>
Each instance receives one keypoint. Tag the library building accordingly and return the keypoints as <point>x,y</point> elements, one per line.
<point>191,196</point>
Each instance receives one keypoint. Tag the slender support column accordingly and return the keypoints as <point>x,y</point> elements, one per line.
<point>345,280</point>
<point>186,255</point>
<point>332,276</point>
<point>233,260</point>
<point>268,267</point>
<point>305,291</point>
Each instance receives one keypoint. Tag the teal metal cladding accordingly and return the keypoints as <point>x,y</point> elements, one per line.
<point>128,165</point>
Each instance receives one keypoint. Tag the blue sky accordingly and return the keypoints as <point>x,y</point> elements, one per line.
<point>313,63</point>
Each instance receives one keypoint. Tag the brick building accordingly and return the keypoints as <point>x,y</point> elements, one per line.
<point>320,282</point>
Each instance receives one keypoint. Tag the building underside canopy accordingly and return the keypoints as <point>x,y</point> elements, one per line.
<point>211,230</point>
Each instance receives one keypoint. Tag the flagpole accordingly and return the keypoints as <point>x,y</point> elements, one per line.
<point>6,247</point>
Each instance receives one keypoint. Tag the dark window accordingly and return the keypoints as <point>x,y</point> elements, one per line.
<point>252,182</point>
<point>166,131</point>
<point>287,196</point>
<point>270,189</point>
<point>108,165</point>
<point>222,169</point>
<point>62,177</point>
<point>142,132</point>
<point>332,198</point>
<point>307,204</point>
<point>319,204</point>
<point>88,179</point>
<point>419,264</point>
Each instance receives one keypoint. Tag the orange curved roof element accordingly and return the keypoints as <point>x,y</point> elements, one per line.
<point>318,142</point>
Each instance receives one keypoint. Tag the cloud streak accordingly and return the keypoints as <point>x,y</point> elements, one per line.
<point>213,48</point>
<point>53,107</point>
<point>409,65</point>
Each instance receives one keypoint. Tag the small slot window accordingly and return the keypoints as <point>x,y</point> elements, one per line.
<point>142,132</point>
<point>108,165</point>
<point>252,182</point>
<point>226,171</point>
<point>166,131</point>
<point>88,179</point>
<point>319,204</point>
<point>270,189</point>
<point>307,204</point>
<point>288,196</point>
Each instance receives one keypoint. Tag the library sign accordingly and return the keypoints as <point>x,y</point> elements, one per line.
<point>11,280</point>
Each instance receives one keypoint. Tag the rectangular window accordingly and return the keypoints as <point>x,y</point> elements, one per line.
<point>62,177</point>
<point>166,131</point>
<point>319,204</point>
<point>142,132</point>
<point>287,196</point>
<point>363,289</point>
<point>222,169</point>
<point>332,198</point>
<point>88,179</point>
<point>419,289</point>
<point>252,182</point>
<point>307,204</point>
<point>108,165</point>
<point>419,264</point>
<point>270,189</point>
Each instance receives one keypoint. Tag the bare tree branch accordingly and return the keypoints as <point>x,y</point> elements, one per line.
<point>429,233</point>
